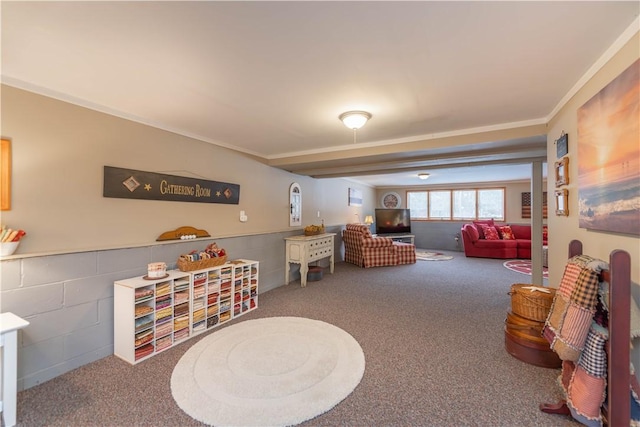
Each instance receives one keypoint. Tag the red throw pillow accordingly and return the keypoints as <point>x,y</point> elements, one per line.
<point>545,233</point>
<point>490,232</point>
<point>506,233</point>
<point>478,225</point>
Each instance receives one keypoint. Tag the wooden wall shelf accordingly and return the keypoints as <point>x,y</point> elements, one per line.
<point>182,231</point>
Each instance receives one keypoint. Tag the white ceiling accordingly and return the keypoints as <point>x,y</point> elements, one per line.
<point>270,78</point>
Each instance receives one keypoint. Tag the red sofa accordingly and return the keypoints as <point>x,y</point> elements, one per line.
<point>475,245</point>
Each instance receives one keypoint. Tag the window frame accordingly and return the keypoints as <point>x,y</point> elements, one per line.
<point>440,218</point>
<point>451,203</point>
<point>475,203</point>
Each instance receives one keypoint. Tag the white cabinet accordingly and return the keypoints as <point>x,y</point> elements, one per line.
<point>305,249</point>
<point>153,315</point>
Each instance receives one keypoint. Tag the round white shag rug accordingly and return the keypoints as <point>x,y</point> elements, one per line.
<point>432,256</point>
<point>276,371</point>
<point>523,266</point>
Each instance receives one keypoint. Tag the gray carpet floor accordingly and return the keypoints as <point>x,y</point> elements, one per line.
<point>432,334</point>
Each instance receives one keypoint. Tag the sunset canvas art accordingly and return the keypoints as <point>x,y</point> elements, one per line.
<point>609,156</point>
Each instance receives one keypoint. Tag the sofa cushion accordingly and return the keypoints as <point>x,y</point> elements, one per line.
<point>477,225</point>
<point>545,233</point>
<point>524,248</point>
<point>490,232</point>
<point>377,242</point>
<point>506,233</point>
<point>496,244</point>
<point>521,231</point>
<point>406,252</point>
<point>357,227</point>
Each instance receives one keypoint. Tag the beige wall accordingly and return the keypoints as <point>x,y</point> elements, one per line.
<point>59,151</point>
<point>564,229</point>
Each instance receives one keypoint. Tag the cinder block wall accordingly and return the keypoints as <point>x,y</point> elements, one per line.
<point>68,298</point>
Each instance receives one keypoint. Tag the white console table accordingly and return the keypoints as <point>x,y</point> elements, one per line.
<point>305,249</point>
<point>9,326</point>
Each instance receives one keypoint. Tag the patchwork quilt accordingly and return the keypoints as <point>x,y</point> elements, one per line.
<point>577,330</point>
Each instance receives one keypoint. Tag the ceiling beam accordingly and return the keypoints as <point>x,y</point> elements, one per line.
<point>506,146</point>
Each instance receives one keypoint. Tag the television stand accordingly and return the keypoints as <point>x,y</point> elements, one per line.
<point>402,238</point>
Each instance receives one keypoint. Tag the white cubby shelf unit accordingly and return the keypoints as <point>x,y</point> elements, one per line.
<point>151,316</point>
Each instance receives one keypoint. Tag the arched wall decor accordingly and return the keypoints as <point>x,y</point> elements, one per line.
<point>295,205</point>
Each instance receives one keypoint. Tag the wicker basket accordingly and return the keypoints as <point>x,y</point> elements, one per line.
<point>184,265</point>
<point>314,233</point>
<point>531,305</point>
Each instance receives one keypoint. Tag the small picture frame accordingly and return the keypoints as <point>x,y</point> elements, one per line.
<point>355,197</point>
<point>562,145</point>
<point>562,172</point>
<point>562,202</point>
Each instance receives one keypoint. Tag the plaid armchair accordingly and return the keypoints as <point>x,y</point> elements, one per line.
<point>364,250</point>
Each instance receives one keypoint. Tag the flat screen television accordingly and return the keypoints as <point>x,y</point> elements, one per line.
<point>393,221</point>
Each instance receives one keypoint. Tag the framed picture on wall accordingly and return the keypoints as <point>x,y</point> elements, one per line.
<point>355,197</point>
<point>562,172</point>
<point>562,202</point>
<point>5,175</point>
<point>562,145</point>
<point>608,162</point>
<point>526,205</point>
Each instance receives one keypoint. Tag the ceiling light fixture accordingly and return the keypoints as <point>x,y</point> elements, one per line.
<point>423,175</point>
<point>354,120</point>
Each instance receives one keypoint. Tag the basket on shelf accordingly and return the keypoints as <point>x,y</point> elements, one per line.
<point>532,305</point>
<point>186,265</point>
<point>314,230</point>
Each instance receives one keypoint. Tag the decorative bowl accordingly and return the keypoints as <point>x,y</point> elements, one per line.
<point>8,248</point>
